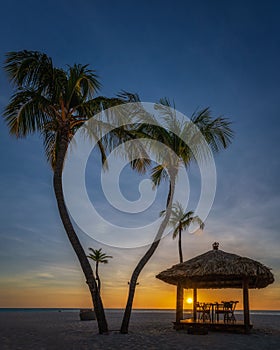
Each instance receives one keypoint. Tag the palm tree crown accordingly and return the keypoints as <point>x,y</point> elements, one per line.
<point>100,258</point>
<point>180,221</point>
<point>184,138</point>
<point>50,100</point>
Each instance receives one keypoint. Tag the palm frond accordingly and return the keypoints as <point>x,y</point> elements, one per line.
<point>175,232</point>
<point>128,97</point>
<point>216,131</point>
<point>51,142</point>
<point>165,108</point>
<point>98,256</point>
<point>140,165</point>
<point>28,68</point>
<point>82,84</point>
<point>103,154</point>
<point>158,174</point>
<point>27,112</point>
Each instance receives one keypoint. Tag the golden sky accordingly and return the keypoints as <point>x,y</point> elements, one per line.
<point>64,286</point>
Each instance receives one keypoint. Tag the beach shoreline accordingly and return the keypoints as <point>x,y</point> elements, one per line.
<point>148,330</point>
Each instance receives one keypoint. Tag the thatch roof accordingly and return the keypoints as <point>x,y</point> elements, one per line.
<point>218,269</point>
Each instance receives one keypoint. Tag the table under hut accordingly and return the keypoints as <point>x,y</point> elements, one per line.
<point>216,269</point>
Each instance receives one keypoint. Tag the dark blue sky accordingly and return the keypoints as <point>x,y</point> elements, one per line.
<point>222,54</point>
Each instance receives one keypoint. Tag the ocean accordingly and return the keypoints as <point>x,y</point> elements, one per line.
<point>186,311</point>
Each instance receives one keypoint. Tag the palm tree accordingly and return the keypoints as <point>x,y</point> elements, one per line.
<point>180,221</point>
<point>56,102</point>
<point>99,258</point>
<point>215,131</point>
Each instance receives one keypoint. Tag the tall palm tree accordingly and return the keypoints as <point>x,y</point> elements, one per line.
<point>56,102</point>
<point>215,131</point>
<point>99,258</point>
<point>180,221</point>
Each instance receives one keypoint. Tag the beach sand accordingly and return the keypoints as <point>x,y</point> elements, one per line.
<point>148,330</point>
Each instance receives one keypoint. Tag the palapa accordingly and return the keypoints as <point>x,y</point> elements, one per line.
<point>217,269</point>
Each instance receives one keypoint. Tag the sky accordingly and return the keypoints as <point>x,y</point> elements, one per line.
<point>221,54</point>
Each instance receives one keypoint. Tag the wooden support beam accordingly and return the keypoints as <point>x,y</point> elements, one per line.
<point>194,304</point>
<point>179,303</point>
<point>246,305</point>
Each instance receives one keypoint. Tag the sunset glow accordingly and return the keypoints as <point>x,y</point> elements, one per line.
<point>225,57</point>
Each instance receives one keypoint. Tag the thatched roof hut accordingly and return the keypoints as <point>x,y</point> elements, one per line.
<point>217,269</point>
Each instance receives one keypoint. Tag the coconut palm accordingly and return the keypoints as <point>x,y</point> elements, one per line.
<point>173,132</point>
<point>55,103</point>
<point>180,221</point>
<point>99,258</point>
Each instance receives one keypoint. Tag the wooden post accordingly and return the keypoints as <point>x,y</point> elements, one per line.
<point>246,305</point>
<point>179,303</point>
<point>194,304</point>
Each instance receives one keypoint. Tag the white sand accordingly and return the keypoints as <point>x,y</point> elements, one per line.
<point>149,330</point>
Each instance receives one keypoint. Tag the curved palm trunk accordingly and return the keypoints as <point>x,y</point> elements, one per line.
<point>141,264</point>
<point>180,245</point>
<point>74,240</point>
<point>97,276</point>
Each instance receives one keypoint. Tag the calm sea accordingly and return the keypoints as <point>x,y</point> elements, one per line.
<point>252,312</point>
